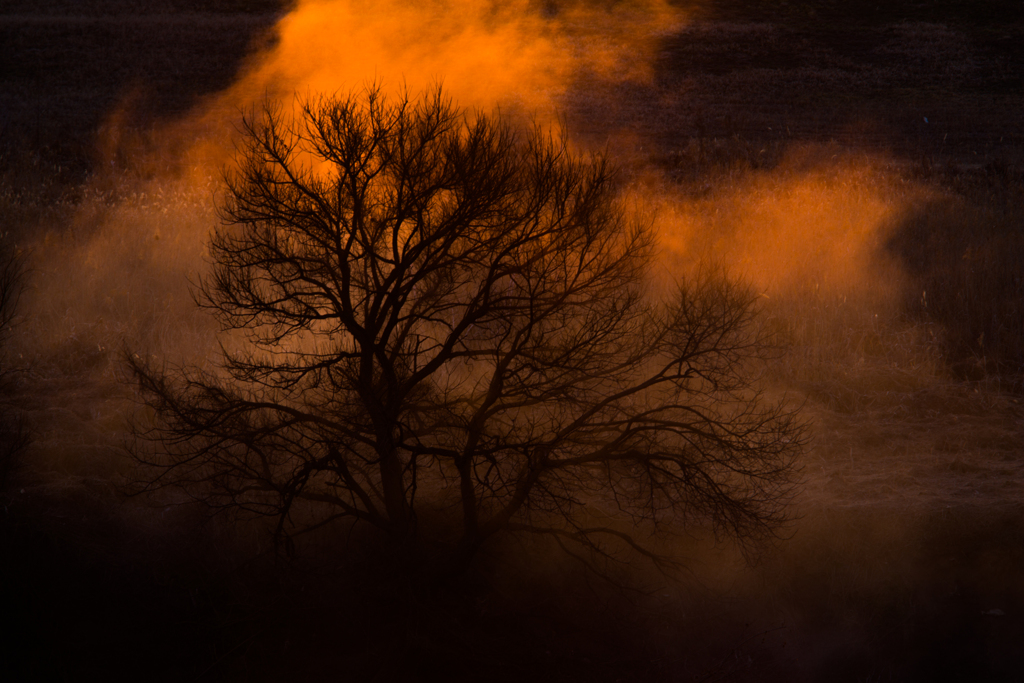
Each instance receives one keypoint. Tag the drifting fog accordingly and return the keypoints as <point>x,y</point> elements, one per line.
<point>815,224</point>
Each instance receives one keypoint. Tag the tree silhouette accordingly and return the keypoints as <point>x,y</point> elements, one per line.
<point>444,327</point>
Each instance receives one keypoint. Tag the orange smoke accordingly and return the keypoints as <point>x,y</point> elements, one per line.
<point>515,55</point>
<point>819,227</point>
<point>485,52</point>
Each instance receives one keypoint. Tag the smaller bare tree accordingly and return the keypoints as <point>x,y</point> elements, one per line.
<point>448,333</point>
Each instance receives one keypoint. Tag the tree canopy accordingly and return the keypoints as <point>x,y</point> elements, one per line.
<point>443,326</point>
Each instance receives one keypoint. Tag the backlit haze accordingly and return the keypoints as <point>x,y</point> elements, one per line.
<point>814,221</point>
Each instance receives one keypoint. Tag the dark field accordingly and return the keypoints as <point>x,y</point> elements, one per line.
<point>906,559</point>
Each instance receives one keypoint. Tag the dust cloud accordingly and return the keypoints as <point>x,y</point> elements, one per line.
<point>809,234</point>
<point>805,226</point>
<point>520,57</point>
<point>122,244</point>
<point>813,224</point>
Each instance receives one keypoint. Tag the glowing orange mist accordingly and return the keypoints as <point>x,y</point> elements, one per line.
<point>511,54</point>
<point>820,227</point>
<point>816,225</point>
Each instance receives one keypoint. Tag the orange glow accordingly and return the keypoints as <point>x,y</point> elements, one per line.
<point>816,224</point>
<point>820,228</point>
<point>485,52</point>
<point>512,55</point>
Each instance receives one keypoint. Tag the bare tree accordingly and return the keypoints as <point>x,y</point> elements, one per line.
<point>443,327</point>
